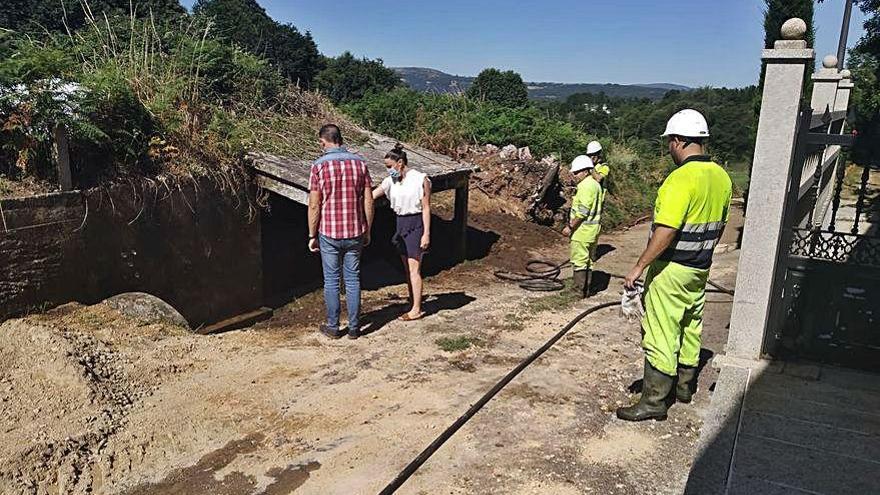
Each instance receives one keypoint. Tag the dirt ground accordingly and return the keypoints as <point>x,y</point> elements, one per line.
<point>95,402</point>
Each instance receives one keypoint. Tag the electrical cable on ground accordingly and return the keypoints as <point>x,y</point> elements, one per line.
<point>542,276</point>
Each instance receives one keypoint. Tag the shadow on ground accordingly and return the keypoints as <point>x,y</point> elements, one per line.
<point>433,304</point>
<point>291,271</point>
<point>706,355</point>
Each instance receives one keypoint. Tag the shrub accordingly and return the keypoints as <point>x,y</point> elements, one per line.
<point>143,99</point>
<point>446,122</point>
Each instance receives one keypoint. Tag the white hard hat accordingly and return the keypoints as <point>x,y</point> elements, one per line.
<point>687,123</point>
<point>594,147</point>
<point>581,162</point>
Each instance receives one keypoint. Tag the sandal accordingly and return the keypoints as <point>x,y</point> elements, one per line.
<point>407,317</point>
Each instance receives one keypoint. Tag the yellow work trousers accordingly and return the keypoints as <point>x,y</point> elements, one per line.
<point>583,246</point>
<point>675,296</point>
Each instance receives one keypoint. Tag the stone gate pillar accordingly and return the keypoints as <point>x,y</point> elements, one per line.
<point>825,81</point>
<point>771,167</point>
<point>844,90</point>
<point>823,100</point>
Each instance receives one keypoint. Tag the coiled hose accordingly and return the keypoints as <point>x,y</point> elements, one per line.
<point>541,276</point>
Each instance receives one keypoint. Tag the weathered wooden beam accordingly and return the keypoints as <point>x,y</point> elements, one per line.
<point>237,322</point>
<point>459,220</point>
<point>290,192</point>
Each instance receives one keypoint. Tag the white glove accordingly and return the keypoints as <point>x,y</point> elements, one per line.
<point>631,304</point>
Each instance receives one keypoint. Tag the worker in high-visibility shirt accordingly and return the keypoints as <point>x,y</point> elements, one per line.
<point>600,166</point>
<point>689,217</point>
<point>583,224</point>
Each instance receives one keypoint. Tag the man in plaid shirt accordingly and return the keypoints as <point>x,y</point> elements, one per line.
<point>340,217</point>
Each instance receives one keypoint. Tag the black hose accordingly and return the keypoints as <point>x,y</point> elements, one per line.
<point>543,276</point>
<point>540,276</point>
<point>443,437</point>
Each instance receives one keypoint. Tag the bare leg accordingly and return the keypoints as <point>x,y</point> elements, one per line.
<point>409,287</point>
<point>415,277</point>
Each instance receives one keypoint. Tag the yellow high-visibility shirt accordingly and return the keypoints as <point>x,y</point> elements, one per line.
<point>695,200</point>
<point>587,205</point>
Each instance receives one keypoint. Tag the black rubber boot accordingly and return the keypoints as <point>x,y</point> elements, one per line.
<point>579,282</point>
<point>687,384</point>
<point>587,292</point>
<point>652,403</point>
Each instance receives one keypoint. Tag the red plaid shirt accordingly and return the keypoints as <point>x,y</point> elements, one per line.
<point>341,178</point>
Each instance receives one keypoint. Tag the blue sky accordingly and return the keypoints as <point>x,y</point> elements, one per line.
<point>691,42</point>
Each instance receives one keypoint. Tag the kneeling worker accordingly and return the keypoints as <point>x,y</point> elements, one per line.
<point>583,224</point>
<point>689,216</point>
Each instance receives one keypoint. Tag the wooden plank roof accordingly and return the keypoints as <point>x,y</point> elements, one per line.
<point>289,177</point>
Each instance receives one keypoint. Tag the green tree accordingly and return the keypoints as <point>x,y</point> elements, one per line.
<point>502,88</point>
<point>776,12</point>
<point>865,65</point>
<point>346,78</point>
<point>248,25</point>
<point>54,15</point>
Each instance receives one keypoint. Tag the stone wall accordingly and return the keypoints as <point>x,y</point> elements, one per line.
<point>196,247</point>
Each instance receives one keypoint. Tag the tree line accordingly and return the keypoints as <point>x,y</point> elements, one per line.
<point>362,86</point>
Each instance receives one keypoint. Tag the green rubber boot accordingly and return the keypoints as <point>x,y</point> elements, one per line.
<point>652,403</point>
<point>687,384</point>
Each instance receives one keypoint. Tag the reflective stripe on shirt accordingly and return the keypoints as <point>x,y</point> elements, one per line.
<point>694,200</point>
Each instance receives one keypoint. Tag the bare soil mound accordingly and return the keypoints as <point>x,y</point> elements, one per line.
<point>65,389</point>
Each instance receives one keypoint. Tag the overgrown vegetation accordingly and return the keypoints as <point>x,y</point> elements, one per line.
<point>630,132</point>
<point>145,88</point>
<point>142,97</point>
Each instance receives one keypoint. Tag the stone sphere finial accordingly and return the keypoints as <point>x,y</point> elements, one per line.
<point>829,62</point>
<point>846,74</point>
<point>794,29</point>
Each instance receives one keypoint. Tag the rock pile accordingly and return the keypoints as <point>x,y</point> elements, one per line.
<point>535,190</point>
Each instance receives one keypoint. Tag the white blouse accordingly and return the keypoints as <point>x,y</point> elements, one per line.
<point>406,195</point>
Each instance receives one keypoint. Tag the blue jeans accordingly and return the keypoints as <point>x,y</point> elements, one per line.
<point>344,254</point>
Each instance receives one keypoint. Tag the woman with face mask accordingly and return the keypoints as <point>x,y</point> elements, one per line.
<point>409,192</point>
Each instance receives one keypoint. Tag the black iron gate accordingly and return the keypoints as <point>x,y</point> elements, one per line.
<point>828,280</point>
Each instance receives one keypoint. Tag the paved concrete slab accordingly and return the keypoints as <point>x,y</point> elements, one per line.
<point>851,380</point>
<point>832,439</point>
<point>823,391</point>
<point>741,485</point>
<point>803,468</point>
<point>718,436</point>
<point>854,419</point>
<point>818,433</point>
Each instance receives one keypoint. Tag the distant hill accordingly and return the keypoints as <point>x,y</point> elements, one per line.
<point>432,80</point>
<point>435,81</point>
